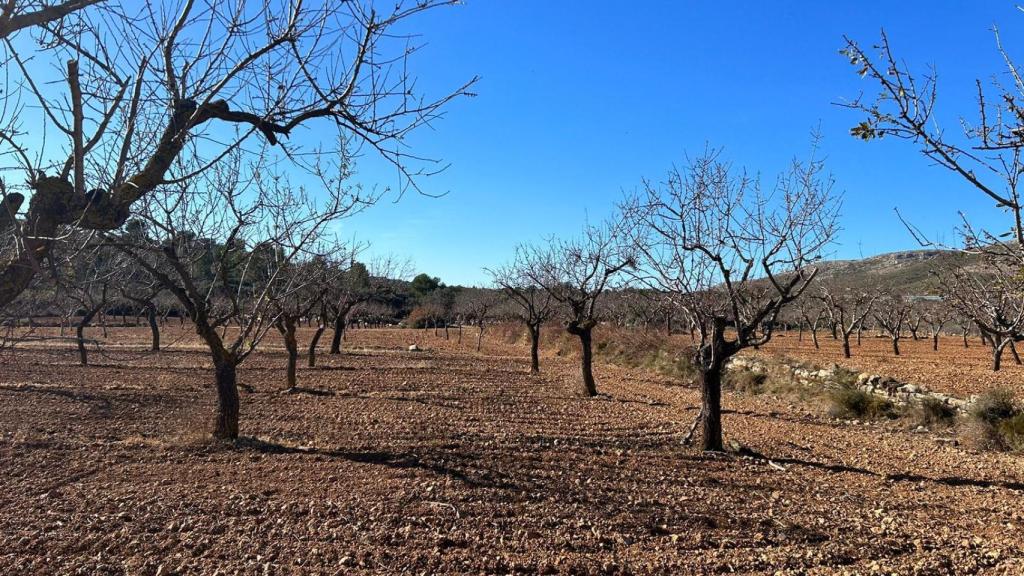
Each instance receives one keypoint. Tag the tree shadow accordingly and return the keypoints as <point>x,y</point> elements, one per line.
<point>96,401</point>
<point>393,460</point>
<point>952,481</point>
<point>310,391</point>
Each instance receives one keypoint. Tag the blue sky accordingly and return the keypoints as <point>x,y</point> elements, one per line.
<point>578,102</point>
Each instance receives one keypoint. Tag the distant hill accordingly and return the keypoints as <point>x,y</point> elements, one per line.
<point>907,272</point>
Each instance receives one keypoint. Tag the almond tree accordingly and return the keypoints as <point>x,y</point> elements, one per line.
<point>125,94</point>
<point>987,154</point>
<point>532,304</point>
<point>223,248</point>
<point>846,309</point>
<point>298,295</point>
<point>891,312</point>
<point>732,255</point>
<point>576,273</point>
<point>139,287</point>
<point>992,300</point>
<point>477,305</point>
<point>812,314</point>
<point>85,280</point>
<point>937,315</point>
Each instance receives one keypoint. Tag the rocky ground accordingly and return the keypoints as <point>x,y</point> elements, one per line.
<point>449,461</point>
<point>953,369</point>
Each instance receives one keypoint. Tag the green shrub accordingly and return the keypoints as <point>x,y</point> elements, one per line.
<point>994,406</point>
<point>849,402</point>
<point>933,413</point>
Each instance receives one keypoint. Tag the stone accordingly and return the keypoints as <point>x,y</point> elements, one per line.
<point>414,348</point>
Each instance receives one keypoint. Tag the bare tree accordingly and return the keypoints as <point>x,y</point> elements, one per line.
<point>301,295</point>
<point>936,314</point>
<point>533,304</point>
<point>477,305</point>
<point>846,310</point>
<point>987,154</point>
<point>812,314</point>
<point>891,312</point>
<point>222,249</point>
<point>357,283</point>
<point>147,86</point>
<point>576,273</point>
<point>140,288</point>
<point>992,299</point>
<point>21,15</point>
<point>732,255</point>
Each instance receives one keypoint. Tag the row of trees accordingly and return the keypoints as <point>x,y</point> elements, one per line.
<point>161,133</point>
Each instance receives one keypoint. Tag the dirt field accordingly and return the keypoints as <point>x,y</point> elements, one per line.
<point>953,369</point>
<point>448,461</point>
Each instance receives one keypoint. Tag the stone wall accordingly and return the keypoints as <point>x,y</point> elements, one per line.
<point>835,376</point>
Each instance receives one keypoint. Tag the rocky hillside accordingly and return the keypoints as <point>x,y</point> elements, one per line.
<point>908,272</point>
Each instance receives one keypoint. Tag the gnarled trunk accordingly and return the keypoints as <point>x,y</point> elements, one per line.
<point>225,426</point>
<point>340,323</point>
<point>320,328</point>
<point>225,367</point>
<point>584,331</point>
<point>896,346</point>
<point>846,345</point>
<point>534,347</point>
<point>711,407</point>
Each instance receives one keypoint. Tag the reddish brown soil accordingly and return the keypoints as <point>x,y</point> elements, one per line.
<point>952,369</point>
<point>448,461</point>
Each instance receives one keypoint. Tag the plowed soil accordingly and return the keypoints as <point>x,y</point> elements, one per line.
<point>452,461</point>
<point>952,369</point>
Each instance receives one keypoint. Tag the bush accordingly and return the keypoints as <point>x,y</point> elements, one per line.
<point>845,377</point>
<point>995,422</point>
<point>745,381</point>
<point>1011,433</point>
<point>933,413</point>
<point>993,406</point>
<point>848,402</point>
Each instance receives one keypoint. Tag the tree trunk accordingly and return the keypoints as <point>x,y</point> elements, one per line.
<point>1013,350</point>
<point>846,345</point>
<point>587,363</point>
<point>339,331</point>
<point>814,338</point>
<point>860,331</point>
<point>154,328</point>
<point>997,357</point>
<point>965,338</point>
<point>711,408</point>
<point>225,425</point>
<point>534,348</point>
<point>83,322</point>
<point>800,337</point>
<point>320,328</point>
<point>935,342</point>
<point>480,336</point>
<point>896,346</point>
<point>460,333</point>
<point>286,326</point>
